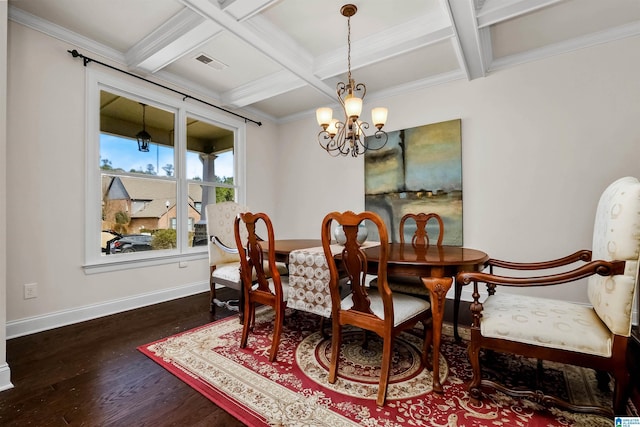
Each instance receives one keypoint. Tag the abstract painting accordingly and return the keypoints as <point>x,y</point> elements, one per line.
<point>418,170</point>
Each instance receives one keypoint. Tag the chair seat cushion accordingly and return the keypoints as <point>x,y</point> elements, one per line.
<point>284,282</point>
<point>545,322</point>
<point>404,306</point>
<point>229,273</point>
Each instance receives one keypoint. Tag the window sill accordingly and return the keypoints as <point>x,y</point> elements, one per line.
<point>127,264</point>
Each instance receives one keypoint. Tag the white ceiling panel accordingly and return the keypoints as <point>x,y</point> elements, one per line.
<point>319,27</point>
<point>431,60</point>
<point>293,102</point>
<point>230,51</point>
<point>283,57</point>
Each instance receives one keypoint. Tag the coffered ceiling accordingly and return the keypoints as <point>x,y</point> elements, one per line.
<point>281,59</point>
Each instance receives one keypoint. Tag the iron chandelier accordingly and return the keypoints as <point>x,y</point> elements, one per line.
<point>340,138</point>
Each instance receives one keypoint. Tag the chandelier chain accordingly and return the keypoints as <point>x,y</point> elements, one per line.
<point>349,47</point>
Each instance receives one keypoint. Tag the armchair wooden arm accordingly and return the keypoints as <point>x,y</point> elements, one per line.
<point>603,268</point>
<point>581,255</point>
<point>222,246</point>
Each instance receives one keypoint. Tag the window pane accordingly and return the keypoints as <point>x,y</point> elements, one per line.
<point>224,167</point>
<point>121,120</point>
<point>136,205</point>
<point>209,152</point>
<point>197,222</point>
<point>210,161</point>
<point>225,194</point>
<point>141,210</point>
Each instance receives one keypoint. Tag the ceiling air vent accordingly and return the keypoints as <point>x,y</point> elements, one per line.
<point>213,63</point>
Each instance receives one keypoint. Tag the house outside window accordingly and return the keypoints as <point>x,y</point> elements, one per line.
<point>146,205</point>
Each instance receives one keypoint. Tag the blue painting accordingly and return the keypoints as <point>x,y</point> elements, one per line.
<point>418,170</point>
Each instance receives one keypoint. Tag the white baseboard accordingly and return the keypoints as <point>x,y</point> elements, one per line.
<point>31,325</point>
<point>5,377</point>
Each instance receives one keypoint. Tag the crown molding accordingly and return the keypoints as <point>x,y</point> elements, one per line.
<point>21,17</point>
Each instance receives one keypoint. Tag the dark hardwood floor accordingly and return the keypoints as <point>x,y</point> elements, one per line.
<point>91,374</point>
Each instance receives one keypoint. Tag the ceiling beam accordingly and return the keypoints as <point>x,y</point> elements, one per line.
<point>172,40</point>
<point>275,46</point>
<point>473,47</point>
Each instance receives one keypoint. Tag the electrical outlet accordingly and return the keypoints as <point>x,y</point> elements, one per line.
<point>183,264</point>
<point>30,290</point>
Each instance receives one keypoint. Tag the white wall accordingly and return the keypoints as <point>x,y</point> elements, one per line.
<point>45,201</point>
<point>540,142</point>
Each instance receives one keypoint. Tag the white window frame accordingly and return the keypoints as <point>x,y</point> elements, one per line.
<point>95,82</point>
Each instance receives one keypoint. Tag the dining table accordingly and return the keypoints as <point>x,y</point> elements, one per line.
<point>435,265</point>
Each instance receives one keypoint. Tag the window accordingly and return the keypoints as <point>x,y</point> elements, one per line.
<point>146,204</point>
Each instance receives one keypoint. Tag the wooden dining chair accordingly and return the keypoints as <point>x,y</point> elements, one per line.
<point>420,235</point>
<point>420,239</point>
<point>376,310</point>
<point>261,280</point>
<point>593,336</point>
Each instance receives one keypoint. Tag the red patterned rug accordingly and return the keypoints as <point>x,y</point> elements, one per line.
<point>293,391</point>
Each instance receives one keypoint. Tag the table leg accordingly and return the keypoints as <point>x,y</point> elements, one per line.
<point>456,310</point>
<point>438,288</point>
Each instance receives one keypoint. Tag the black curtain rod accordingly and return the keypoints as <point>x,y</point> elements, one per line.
<point>86,60</point>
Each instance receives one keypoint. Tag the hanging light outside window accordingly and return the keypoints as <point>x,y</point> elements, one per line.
<point>143,136</point>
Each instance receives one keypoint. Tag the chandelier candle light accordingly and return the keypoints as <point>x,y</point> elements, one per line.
<point>348,136</point>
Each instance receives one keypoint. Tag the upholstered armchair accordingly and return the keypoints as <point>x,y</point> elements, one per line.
<point>224,261</point>
<point>593,335</point>
<point>224,258</point>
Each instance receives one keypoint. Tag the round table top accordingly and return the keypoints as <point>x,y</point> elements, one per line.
<point>400,253</point>
<point>406,253</point>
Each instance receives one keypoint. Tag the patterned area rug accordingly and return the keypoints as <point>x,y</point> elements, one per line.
<point>293,391</point>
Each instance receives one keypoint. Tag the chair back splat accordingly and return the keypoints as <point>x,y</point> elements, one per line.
<point>593,336</point>
<point>421,236</point>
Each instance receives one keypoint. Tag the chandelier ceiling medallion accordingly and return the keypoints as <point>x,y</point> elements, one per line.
<point>340,138</point>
